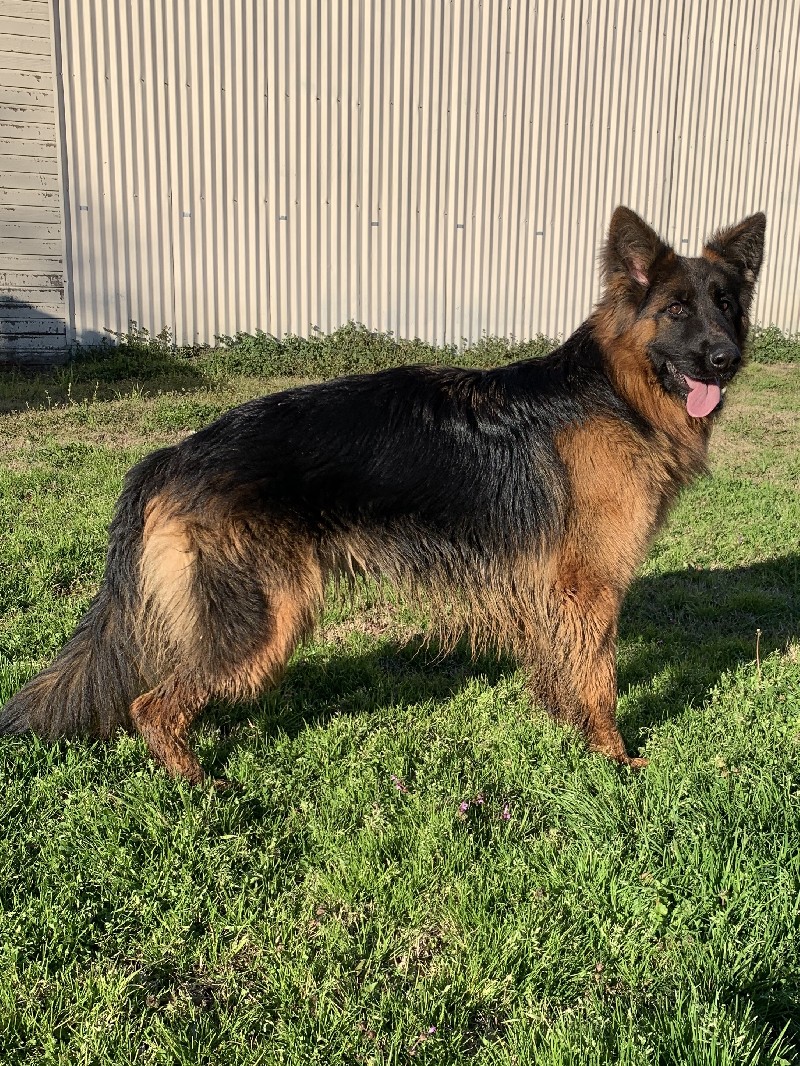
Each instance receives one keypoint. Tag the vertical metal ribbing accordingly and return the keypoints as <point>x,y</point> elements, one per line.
<point>439,170</point>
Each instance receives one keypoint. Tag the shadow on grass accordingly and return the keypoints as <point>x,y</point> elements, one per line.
<point>105,372</point>
<point>691,626</point>
<point>776,1000</point>
<point>688,627</point>
<point>321,687</point>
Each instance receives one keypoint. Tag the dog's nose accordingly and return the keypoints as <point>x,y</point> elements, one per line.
<point>725,358</point>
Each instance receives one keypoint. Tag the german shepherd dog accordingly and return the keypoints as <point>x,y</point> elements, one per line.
<point>518,502</point>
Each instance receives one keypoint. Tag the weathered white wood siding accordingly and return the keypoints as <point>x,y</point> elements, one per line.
<point>32,326</point>
<point>437,168</point>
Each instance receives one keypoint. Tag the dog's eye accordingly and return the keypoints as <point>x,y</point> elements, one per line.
<point>676,309</point>
<point>726,307</point>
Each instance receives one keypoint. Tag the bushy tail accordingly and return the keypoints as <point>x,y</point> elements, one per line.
<point>88,689</point>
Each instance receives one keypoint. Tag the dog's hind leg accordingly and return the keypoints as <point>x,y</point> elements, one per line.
<point>224,605</point>
<point>163,716</point>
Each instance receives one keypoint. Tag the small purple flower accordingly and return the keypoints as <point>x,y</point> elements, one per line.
<point>463,807</point>
<point>420,1039</point>
<point>398,783</point>
<point>505,814</point>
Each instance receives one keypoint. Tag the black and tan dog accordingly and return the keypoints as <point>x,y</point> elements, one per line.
<point>519,502</point>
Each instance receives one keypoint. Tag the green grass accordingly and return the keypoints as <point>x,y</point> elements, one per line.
<point>415,866</point>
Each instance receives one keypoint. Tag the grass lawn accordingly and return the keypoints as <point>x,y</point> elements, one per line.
<point>415,865</point>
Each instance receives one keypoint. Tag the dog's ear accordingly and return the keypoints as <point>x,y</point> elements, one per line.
<point>742,247</point>
<point>631,251</point>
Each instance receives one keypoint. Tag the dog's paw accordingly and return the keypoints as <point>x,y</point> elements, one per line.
<point>636,763</point>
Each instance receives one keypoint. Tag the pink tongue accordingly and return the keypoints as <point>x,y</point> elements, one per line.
<point>703,398</point>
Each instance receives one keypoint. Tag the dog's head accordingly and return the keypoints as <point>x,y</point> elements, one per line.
<point>691,314</point>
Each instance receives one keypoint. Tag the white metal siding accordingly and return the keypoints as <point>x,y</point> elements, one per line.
<point>439,169</point>
<point>31,260</point>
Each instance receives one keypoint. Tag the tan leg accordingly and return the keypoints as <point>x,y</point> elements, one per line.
<point>163,717</point>
<point>579,681</point>
<point>595,681</point>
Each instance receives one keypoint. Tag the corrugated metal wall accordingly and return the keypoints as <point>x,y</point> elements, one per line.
<point>439,169</point>
<point>31,254</point>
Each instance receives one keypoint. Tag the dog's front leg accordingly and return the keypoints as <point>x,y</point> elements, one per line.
<point>577,676</point>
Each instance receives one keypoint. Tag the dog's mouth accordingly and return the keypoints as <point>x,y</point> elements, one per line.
<point>702,397</point>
